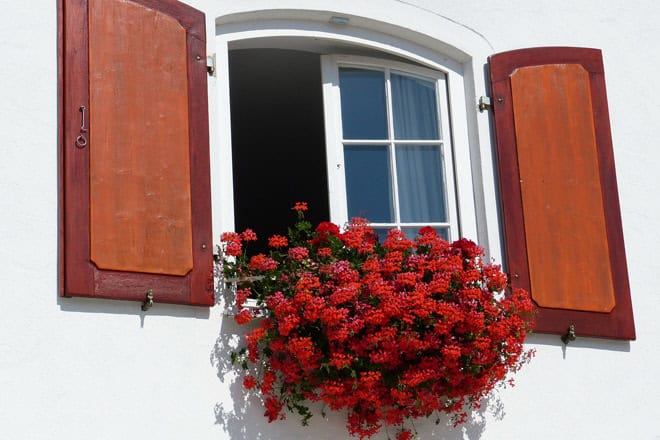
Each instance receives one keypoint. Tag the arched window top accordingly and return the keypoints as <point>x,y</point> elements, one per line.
<point>315,31</point>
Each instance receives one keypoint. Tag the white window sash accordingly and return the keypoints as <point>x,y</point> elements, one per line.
<point>335,143</point>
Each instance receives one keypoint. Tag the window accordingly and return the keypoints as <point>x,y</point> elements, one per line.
<point>134,157</point>
<point>391,141</point>
<point>353,135</point>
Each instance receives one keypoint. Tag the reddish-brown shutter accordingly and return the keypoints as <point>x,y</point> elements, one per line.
<point>560,205</point>
<point>134,153</point>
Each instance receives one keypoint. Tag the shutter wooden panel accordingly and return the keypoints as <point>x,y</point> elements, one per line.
<point>134,151</point>
<point>560,206</point>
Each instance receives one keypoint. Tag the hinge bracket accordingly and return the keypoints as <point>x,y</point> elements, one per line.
<point>484,103</point>
<point>210,65</point>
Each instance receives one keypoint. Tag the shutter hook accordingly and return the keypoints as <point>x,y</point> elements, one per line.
<point>149,302</point>
<point>81,141</point>
<point>82,124</point>
<point>570,335</point>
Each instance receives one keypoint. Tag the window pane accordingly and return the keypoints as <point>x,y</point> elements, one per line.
<point>368,188</point>
<point>421,182</point>
<point>411,232</point>
<point>414,108</point>
<point>382,233</point>
<point>363,113</point>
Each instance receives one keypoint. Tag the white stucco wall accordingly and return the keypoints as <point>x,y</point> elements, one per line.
<point>92,369</point>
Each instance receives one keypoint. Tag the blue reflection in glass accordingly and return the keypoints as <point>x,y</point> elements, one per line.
<point>421,183</point>
<point>363,114</point>
<point>368,187</point>
<point>414,108</point>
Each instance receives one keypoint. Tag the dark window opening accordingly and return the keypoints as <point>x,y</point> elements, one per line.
<point>278,139</point>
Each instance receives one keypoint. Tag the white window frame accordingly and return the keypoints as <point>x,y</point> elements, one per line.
<point>330,65</point>
<point>460,77</point>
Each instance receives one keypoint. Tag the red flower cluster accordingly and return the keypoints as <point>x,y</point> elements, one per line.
<point>300,206</point>
<point>388,331</point>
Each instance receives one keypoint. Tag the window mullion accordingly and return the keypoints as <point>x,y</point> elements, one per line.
<point>391,147</point>
<point>450,184</point>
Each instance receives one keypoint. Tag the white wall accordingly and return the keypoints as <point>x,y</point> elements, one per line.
<point>91,369</point>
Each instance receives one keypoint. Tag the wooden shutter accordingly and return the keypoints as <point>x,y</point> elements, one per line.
<point>134,153</point>
<point>562,226</point>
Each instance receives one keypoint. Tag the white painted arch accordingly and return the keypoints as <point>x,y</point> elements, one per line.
<point>312,30</point>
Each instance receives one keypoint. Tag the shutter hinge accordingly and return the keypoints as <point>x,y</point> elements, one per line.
<point>210,65</point>
<point>484,103</point>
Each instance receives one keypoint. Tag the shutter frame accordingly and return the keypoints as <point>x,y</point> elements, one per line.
<point>78,275</point>
<point>619,323</point>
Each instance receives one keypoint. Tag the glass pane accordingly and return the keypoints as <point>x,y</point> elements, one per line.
<point>411,232</point>
<point>414,108</point>
<point>421,182</point>
<point>382,233</point>
<point>363,113</point>
<point>368,188</point>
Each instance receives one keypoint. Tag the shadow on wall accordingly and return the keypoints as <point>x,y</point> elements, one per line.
<point>116,307</point>
<point>243,418</point>
<point>581,342</point>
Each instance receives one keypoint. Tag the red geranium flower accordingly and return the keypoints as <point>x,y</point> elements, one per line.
<point>300,206</point>
<point>249,382</point>
<point>277,241</point>
<point>243,317</point>
<point>327,228</point>
<point>248,235</point>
